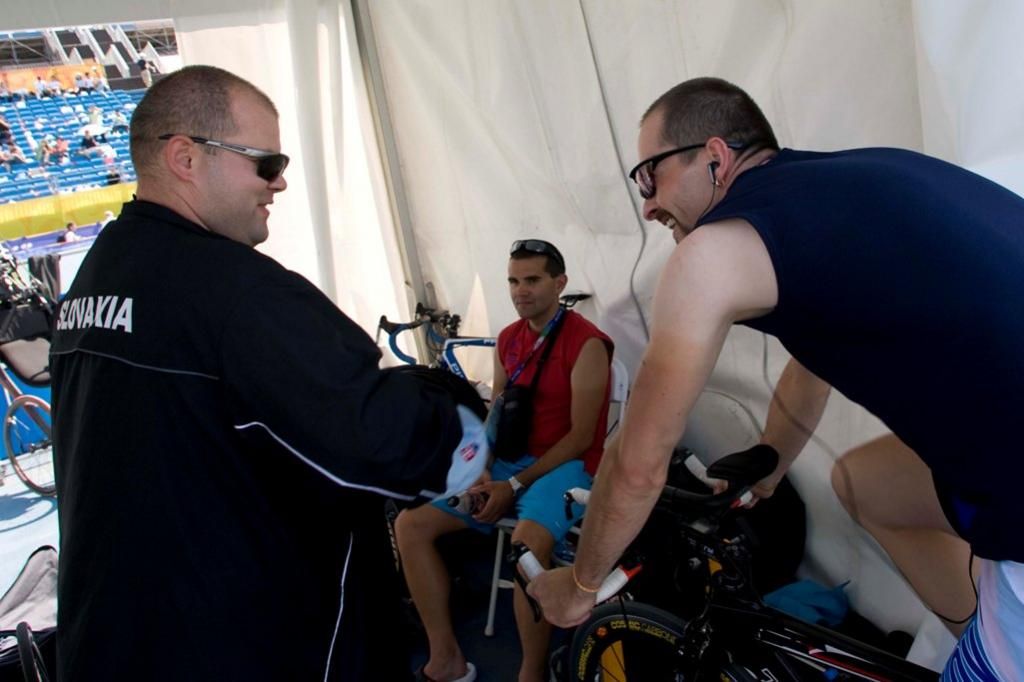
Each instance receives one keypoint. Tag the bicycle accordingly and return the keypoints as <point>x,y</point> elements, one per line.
<point>734,635</point>
<point>27,657</point>
<point>27,437</point>
<point>442,335</point>
<point>24,351</point>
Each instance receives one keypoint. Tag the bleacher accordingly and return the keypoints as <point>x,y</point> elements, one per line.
<point>33,119</point>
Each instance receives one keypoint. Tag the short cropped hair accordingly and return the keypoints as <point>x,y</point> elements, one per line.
<point>702,108</point>
<point>195,100</point>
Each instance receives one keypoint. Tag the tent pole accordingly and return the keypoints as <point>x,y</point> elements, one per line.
<point>406,239</point>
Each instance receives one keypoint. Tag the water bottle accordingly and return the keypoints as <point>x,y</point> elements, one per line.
<point>467,502</point>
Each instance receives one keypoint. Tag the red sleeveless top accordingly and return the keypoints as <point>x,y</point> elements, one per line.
<point>552,401</point>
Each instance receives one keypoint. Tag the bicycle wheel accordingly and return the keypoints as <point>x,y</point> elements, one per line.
<point>28,443</point>
<point>29,655</point>
<point>627,642</point>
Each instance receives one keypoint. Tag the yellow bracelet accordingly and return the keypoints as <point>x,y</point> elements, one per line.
<point>581,586</point>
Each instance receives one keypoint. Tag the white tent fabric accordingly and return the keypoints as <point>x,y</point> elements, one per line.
<point>519,119</point>
<point>504,120</point>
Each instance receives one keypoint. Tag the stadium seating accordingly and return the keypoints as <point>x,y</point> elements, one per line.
<point>33,119</point>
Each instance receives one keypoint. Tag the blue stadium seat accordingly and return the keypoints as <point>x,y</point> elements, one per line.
<point>59,114</point>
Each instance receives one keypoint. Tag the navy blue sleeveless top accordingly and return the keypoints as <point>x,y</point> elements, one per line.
<point>901,283</point>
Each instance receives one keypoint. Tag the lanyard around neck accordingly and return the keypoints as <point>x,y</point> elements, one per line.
<point>537,344</point>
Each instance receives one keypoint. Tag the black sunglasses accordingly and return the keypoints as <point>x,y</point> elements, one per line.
<point>538,246</point>
<point>269,165</point>
<point>643,173</point>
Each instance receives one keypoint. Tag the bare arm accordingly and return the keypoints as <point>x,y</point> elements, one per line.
<point>589,379</point>
<point>716,276</point>
<point>796,408</point>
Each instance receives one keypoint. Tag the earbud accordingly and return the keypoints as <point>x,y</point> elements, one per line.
<point>711,171</point>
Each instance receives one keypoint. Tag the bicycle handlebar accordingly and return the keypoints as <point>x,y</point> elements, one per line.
<point>431,317</point>
<point>610,586</point>
<point>672,498</point>
<point>740,470</point>
<point>570,300</point>
<point>393,329</point>
<point>390,327</point>
<point>423,315</point>
<point>442,326</point>
<point>426,314</point>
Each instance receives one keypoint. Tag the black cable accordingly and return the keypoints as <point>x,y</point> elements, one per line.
<point>811,435</point>
<point>970,575</point>
<point>632,281</point>
<point>625,614</point>
<point>714,186</point>
<point>746,152</point>
<point>618,155</point>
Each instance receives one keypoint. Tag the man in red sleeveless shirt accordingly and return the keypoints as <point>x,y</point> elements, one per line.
<point>569,422</point>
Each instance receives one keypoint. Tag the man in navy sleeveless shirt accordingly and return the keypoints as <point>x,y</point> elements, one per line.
<point>894,277</point>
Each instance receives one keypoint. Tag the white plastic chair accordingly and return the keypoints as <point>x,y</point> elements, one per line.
<point>616,398</point>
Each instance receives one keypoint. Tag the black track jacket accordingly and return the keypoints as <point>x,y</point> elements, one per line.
<point>218,425</point>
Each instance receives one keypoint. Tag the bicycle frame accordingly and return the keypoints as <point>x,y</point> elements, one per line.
<point>33,422</point>
<point>448,360</point>
<point>448,342</point>
<point>9,387</point>
<point>735,618</point>
<point>27,416</point>
<point>733,630</point>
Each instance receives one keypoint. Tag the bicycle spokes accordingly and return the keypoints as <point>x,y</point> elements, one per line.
<point>612,665</point>
<point>28,444</point>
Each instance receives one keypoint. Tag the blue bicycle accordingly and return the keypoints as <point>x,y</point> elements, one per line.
<point>442,338</point>
<point>442,335</point>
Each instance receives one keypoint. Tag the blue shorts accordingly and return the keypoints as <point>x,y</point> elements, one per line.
<point>542,502</point>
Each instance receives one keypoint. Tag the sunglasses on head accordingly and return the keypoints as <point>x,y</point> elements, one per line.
<point>269,165</point>
<point>538,246</point>
<point>643,173</point>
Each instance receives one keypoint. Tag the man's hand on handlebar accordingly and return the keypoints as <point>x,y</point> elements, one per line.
<point>569,603</point>
<point>765,488</point>
<point>560,601</point>
<point>762,489</point>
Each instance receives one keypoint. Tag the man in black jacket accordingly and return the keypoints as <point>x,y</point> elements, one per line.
<point>221,427</point>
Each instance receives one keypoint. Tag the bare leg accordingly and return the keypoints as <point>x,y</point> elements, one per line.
<point>534,637</point>
<point>416,531</point>
<point>889,491</point>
